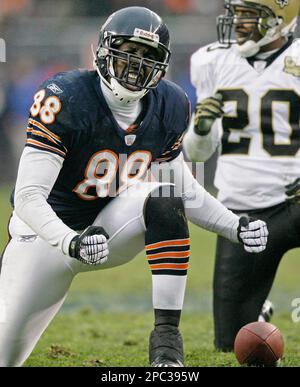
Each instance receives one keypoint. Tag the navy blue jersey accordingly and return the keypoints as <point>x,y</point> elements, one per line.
<point>70,118</point>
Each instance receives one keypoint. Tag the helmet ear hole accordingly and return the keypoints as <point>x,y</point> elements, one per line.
<point>273,22</point>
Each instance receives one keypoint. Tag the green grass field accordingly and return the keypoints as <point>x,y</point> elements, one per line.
<point>107,317</point>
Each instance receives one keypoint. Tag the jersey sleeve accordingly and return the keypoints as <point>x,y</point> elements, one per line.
<point>49,120</point>
<point>174,148</point>
<point>31,205</point>
<point>202,72</point>
<point>177,124</point>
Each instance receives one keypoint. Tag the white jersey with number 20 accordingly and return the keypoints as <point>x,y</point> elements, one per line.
<point>259,136</point>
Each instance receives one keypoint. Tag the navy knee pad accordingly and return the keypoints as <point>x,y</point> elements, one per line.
<point>165,216</point>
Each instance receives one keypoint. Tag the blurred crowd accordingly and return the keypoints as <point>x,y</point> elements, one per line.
<point>33,8</point>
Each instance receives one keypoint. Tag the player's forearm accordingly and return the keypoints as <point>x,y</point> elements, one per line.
<point>211,215</point>
<point>200,148</point>
<point>37,174</point>
<point>202,208</point>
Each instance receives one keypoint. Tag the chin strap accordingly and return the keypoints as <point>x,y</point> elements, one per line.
<point>125,95</point>
<point>251,48</point>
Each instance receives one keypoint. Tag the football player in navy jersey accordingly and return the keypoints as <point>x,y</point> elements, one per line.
<point>80,202</point>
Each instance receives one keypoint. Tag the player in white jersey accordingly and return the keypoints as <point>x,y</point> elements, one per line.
<point>86,129</point>
<point>248,89</point>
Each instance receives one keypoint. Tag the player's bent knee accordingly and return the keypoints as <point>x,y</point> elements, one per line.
<point>164,209</point>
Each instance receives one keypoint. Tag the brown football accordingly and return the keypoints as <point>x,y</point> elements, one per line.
<point>259,344</point>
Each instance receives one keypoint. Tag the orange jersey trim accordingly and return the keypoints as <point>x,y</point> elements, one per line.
<point>42,127</point>
<point>37,133</point>
<point>47,147</point>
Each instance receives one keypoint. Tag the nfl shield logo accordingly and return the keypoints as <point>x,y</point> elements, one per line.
<point>130,139</point>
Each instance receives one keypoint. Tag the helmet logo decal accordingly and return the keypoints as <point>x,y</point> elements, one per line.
<point>282,3</point>
<point>146,35</point>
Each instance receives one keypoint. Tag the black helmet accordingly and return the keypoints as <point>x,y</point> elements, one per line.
<point>136,24</point>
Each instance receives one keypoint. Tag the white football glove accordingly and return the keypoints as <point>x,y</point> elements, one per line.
<point>90,247</point>
<point>253,234</point>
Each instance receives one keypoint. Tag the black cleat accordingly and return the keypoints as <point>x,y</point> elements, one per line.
<point>266,312</point>
<point>166,347</point>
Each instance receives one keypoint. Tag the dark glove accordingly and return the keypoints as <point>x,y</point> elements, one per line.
<point>90,246</point>
<point>293,190</point>
<point>206,112</point>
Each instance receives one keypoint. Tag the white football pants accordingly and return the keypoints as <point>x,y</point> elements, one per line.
<point>35,276</point>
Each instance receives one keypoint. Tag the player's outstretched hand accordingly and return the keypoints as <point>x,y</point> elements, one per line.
<point>253,234</point>
<point>90,246</point>
<point>206,112</point>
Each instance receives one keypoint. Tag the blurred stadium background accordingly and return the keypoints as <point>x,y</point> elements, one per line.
<point>46,36</point>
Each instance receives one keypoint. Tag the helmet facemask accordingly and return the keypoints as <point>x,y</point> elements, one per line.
<point>139,74</point>
<point>267,27</point>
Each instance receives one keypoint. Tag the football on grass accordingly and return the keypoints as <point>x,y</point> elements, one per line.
<point>259,344</point>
